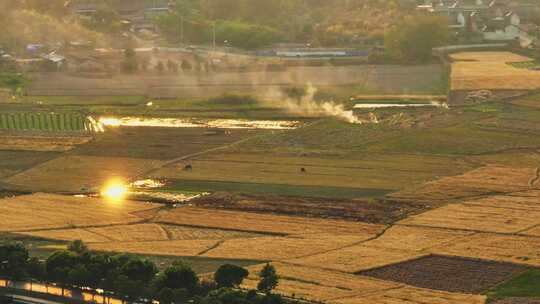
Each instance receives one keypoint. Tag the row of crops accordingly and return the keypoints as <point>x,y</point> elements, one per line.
<point>47,122</point>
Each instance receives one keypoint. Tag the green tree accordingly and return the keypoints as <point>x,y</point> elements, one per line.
<point>13,260</point>
<point>230,275</point>
<point>178,276</point>
<point>36,269</point>
<point>130,63</point>
<point>139,270</point>
<point>79,276</point>
<point>165,296</point>
<point>269,279</point>
<point>413,38</point>
<point>246,35</point>
<point>59,264</point>
<point>77,246</point>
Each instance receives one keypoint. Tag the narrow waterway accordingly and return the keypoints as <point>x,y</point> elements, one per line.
<point>198,123</point>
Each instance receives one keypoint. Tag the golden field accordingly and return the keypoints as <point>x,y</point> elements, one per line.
<point>497,247</point>
<point>264,223</point>
<point>282,248</point>
<point>316,258</point>
<point>490,70</point>
<point>337,287</point>
<point>138,233</point>
<point>482,181</point>
<point>408,294</point>
<point>319,284</point>
<point>76,173</point>
<point>397,244</point>
<point>45,211</point>
<point>356,258</point>
<point>503,214</point>
<point>172,248</point>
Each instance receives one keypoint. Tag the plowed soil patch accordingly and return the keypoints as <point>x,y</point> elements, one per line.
<point>448,273</point>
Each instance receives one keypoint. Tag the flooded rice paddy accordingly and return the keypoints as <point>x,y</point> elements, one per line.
<point>399,105</point>
<point>198,123</point>
<point>148,189</point>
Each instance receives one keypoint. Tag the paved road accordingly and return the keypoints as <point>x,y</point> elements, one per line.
<point>31,300</point>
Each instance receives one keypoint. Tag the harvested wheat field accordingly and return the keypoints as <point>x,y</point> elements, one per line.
<point>492,71</point>
<point>78,173</point>
<point>416,238</point>
<point>42,143</point>
<point>318,284</point>
<point>413,295</point>
<point>356,258</point>
<point>171,248</point>
<point>120,233</point>
<point>535,231</point>
<point>44,211</point>
<point>451,274</point>
<point>503,214</point>
<point>263,223</point>
<point>496,247</point>
<point>282,248</point>
<point>192,233</point>
<point>397,244</point>
<point>138,233</point>
<point>82,234</point>
<point>491,179</point>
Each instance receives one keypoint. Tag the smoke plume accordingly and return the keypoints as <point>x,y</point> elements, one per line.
<point>307,106</point>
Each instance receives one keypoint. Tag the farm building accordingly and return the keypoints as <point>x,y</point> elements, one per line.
<point>491,20</point>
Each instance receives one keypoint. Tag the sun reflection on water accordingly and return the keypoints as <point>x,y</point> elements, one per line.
<point>115,191</point>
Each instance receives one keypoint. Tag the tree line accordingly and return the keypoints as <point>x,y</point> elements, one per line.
<point>132,278</point>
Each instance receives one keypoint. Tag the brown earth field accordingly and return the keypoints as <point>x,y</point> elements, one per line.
<point>76,174</point>
<point>12,162</point>
<point>158,143</point>
<point>453,274</point>
<point>370,211</point>
<point>372,171</point>
<point>393,79</point>
<point>49,143</point>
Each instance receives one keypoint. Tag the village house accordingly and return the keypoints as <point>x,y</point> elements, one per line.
<point>491,20</point>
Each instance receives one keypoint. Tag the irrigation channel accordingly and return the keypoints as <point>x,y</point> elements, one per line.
<point>198,123</point>
<point>89,295</point>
